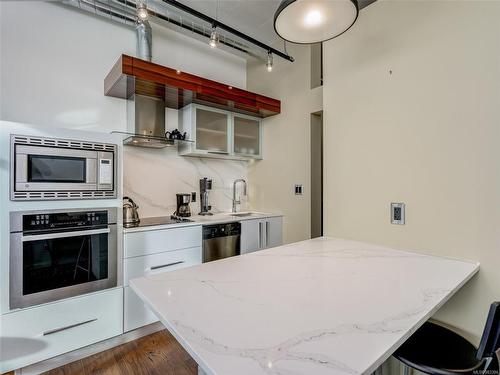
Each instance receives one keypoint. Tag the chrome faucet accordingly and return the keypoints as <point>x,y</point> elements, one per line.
<point>235,202</point>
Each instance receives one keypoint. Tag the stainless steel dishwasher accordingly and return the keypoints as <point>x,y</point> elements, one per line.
<point>221,241</point>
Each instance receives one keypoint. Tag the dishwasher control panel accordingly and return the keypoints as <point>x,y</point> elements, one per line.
<point>221,230</point>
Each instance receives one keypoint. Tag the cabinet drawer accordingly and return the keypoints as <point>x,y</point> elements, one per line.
<point>162,262</point>
<point>158,241</point>
<point>32,335</point>
<point>137,314</point>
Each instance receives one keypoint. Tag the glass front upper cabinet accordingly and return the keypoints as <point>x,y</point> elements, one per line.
<point>219,133</point>
<point>212,130</point>
<point>247,135</point>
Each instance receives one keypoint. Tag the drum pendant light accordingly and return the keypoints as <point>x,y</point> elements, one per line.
<point>314,21</point>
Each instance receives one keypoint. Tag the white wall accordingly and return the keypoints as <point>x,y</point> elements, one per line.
<point>286,148</point>
<point>53,60</point>
<point>428,135</point>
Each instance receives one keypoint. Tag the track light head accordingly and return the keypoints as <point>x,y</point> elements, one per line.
<point>214,38</point>
<point>269,63</point>
<point>142,11</point>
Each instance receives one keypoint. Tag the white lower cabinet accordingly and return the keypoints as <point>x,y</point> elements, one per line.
<point>36,334</point>
<point>157,263</point>
<point>136,313</point>
<point>259,234</point>
<point>173,255</point>
<point>160,240</point>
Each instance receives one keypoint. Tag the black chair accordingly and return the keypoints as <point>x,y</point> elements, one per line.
<point>434,349</point>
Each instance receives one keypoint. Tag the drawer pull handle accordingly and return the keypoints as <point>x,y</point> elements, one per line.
<point>57,330</point>
<point>166,265</point>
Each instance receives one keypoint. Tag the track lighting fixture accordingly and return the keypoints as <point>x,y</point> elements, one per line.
<point>269,63</point>
<point>214,38</point>
<point>142,11</point>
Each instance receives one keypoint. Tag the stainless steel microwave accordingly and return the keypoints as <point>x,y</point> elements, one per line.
<point>50,168</point>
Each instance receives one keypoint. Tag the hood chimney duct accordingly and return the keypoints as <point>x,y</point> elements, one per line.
<point>144,38</point>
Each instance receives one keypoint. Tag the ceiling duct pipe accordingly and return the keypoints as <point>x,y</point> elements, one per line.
<point>122,14</point>
<point>144,36</point>
<point>103,9</point>
<point>125,12</point>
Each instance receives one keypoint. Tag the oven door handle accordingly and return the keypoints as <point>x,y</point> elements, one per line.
<point>50,236</point>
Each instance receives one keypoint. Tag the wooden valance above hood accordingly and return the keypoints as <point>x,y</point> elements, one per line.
<point>131,75</point>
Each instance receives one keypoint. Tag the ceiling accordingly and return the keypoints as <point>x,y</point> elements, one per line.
<point>252,17</point>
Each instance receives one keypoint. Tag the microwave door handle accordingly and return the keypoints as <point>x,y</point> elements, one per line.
<point>51,236</point>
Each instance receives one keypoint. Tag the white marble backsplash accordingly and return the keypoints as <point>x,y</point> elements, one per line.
<point>152,177</point>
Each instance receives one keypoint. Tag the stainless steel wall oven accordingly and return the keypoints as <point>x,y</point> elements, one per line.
<point>50,168</point>
<point>61,254</point>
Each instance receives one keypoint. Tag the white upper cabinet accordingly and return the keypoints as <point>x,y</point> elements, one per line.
<point>247,135</point>
<point>218,133</point>
<point>212,130</point>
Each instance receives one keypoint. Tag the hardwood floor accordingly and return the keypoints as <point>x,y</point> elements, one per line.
<point>156,354</point>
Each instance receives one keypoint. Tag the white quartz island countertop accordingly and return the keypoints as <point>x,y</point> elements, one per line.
<point>322,306</point>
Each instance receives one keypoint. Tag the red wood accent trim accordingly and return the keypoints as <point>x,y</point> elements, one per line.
<point>132,75</point>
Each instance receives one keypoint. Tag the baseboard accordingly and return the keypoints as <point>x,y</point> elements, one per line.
<point>89,350</point>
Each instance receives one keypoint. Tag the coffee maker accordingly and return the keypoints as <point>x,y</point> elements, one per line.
<point>183,209</point>
<point>205,187</point>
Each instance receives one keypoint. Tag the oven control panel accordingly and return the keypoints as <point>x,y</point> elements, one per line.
<point>36,222</point>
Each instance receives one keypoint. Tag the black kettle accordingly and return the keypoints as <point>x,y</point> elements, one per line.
<point>175,134</point>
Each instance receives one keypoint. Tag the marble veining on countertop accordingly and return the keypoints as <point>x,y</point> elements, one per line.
<point>322,306</point>
<point>216,218</point>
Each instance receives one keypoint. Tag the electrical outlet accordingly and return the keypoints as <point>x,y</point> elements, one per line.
<point>397,213</point>
<point>298,189</point>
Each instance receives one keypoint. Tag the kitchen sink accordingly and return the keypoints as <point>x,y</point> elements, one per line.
<point>244,214</point>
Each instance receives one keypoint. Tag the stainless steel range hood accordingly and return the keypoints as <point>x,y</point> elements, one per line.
<point>146,121</point>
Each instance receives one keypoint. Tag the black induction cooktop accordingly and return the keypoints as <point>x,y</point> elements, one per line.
<point>160,220</point>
